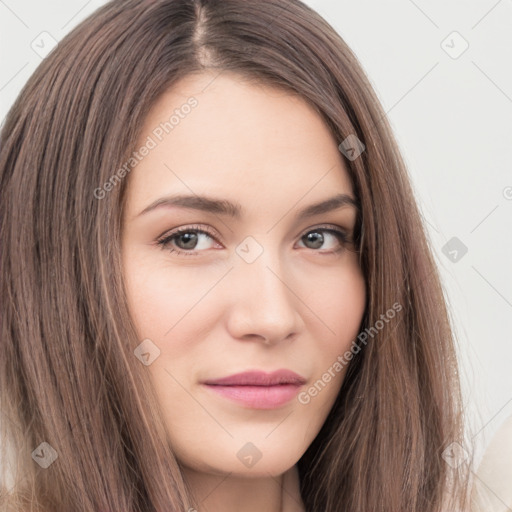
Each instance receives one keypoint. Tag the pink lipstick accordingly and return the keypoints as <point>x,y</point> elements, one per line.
<point>258,389</point>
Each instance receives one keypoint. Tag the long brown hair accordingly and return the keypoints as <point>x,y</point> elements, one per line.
<point>68,375</point>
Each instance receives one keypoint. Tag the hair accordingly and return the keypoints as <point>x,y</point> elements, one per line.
<point>68,376</point>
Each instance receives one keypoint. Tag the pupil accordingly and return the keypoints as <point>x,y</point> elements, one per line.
<point>316,238</point>
<point>190,240</point>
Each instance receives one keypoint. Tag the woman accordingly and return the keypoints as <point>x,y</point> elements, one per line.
<point>219,291</point>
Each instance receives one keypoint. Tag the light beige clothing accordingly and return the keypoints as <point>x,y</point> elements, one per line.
<point>492,485</point>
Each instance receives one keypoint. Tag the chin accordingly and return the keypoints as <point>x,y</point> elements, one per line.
<point>275,463</point>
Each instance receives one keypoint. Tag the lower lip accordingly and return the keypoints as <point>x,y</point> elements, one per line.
<point>258,397</point>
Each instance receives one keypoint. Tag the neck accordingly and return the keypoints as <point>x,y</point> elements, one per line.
<point>232,493</point>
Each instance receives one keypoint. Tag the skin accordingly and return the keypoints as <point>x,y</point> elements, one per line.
<point>298,305</point>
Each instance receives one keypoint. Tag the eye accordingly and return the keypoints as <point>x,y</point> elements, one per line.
<point>191,240</point>
<point>187,239</point>
<point>331,239</point>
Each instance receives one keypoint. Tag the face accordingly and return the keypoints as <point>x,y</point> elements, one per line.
<point>256,281</point>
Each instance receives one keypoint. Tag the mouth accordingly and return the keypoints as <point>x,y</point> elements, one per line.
<point>257,389</point>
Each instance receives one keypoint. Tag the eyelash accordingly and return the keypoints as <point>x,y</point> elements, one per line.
<point>165,241</point>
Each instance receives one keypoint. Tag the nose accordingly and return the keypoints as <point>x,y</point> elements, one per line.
<point>263,302</point>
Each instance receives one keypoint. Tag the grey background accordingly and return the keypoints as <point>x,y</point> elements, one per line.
<point>451,113</point>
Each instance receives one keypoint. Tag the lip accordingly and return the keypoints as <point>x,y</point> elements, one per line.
<point>257,389</point>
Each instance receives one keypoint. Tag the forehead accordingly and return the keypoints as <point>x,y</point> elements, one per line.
<point>222,135</point>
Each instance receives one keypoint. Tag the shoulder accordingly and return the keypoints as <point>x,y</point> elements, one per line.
<point>492,488</point>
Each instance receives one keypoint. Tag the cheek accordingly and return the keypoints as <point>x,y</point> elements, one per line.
<point>340,306</point>
<point>339,303</point>
<point>162,299</point>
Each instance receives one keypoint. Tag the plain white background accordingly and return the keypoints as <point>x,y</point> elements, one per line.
<point>443,73</point>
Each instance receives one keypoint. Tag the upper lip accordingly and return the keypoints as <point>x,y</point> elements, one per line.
<point>259,378</point>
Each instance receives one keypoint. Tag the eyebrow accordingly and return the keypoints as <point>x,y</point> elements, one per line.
<point>234,210</point>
